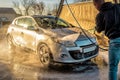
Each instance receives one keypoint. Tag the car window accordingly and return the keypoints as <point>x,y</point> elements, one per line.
<point>38,20</point>
<point>51,22</point>
<point>43,22</point>
<point>55,22</point>
<point>20,22</point>
<point>29,24</point>
<point>62,23</point>
<point>26,23</point>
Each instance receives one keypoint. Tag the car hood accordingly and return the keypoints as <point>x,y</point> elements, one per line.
<point>64,31</point>
<point>72,34</point>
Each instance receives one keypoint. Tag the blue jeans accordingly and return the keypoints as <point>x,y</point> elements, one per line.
<point>114,58</point>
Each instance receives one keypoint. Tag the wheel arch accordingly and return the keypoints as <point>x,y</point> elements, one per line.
<point>51,54</point>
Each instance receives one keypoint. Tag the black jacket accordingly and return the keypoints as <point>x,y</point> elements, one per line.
<point>108,20</point>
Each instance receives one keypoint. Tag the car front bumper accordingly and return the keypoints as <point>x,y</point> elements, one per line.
<point>76,55</point>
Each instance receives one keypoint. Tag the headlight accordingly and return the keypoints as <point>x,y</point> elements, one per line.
<point>66,43</point>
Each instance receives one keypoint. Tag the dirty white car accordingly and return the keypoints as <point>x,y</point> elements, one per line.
<point>52,39</point>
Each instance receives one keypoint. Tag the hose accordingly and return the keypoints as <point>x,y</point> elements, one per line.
<point>81,27</point>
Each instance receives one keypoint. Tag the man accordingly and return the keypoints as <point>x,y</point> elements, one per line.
<point>108,20</point>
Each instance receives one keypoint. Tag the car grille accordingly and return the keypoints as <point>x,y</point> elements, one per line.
<point>76,54</point>
<point>91,53</point>
<point>81,55</point>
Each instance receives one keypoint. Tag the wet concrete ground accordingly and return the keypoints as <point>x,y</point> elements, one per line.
<point>26,66</point>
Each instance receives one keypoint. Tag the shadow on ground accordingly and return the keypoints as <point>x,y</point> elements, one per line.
<point>5,72</point>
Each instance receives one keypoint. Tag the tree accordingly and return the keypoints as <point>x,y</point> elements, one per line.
<point>27,4</point>
<point>55,9</point>
<point>28,7</point>
<point>38,8</point>
<point>16,5</point>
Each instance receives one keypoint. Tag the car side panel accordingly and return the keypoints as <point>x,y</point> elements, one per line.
<point>30,39</point>
<point>15,32</point>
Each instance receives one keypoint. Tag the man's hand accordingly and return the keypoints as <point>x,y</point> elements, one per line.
<point>101,38</point>
<point>98,35</point>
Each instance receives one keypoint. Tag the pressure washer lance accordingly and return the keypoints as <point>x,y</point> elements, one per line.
<point>81,27</point>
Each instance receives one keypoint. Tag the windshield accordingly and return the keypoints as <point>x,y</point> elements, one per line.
<point>51,22</point>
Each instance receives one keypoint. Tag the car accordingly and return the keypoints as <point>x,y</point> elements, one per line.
<point>54,40</point>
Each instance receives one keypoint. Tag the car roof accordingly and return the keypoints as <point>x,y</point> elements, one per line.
<point>35,16</point>
<point>49,16</point>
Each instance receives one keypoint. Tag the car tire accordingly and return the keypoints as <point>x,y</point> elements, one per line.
<point>45,56</point>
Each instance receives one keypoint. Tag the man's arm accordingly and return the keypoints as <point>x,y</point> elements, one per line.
<point>100,23</point>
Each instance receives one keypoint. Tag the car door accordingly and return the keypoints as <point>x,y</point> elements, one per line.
<point>17,28</point>
<point>29,33</point>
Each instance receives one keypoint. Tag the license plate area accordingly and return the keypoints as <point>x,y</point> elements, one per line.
<point>88,49</point>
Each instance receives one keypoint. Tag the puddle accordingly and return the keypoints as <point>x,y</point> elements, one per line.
<point>23,72</point>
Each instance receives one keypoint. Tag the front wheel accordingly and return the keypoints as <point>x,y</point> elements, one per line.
<point>45,56</point>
